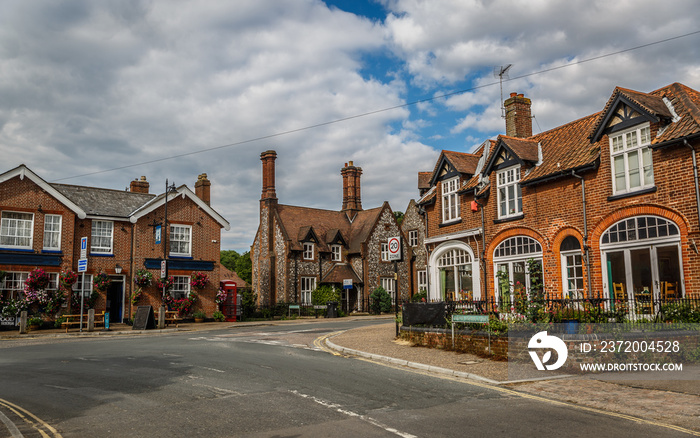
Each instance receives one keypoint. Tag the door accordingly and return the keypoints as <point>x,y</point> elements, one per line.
<point>115,300</point>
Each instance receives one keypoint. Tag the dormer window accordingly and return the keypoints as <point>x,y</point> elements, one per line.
<point>630,155</point>
<point>450,200</point>
<point>308,251</point>
<point>336,253</point>
<point>510,197</point>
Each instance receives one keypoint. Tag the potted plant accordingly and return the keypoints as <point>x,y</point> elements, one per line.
<point>34,323</point>
<point>101,282</point>
<point>199,316</point>
<point>219,316</point>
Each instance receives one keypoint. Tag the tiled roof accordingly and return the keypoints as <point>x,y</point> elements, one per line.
<point>104,202</point>
<point>565,148</point>
<point>428,197</point>
<point>340,272</point>
<point>297,221</point>
<point>463,162</point>
<point>686,104</point>
<point>524,148</point>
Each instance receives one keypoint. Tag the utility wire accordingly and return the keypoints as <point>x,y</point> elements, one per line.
<point>370,113</point>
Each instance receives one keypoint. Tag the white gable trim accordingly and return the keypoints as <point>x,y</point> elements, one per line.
<point>185,192</point>
<point>23,171</point>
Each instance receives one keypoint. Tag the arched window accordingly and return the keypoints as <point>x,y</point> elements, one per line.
<point>642,262</point>
<point>571,268</point>
<point>639,228</point>
<point>455,275</point>
<point>511,273</point>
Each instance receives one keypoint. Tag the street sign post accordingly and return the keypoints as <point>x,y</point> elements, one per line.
<point>83,247</point>
<point>82,265</point>
<point>347,283</point>
<point>162,268</point>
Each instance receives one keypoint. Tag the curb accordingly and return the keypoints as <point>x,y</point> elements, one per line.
<point>414,365</point>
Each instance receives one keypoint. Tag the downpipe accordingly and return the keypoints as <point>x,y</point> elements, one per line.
<point>586,248</point>
<point>695,175</point>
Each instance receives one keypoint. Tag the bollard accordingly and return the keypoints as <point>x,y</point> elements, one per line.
<point>23,323</point>
<point>161,317</point>
<point>91,320</point>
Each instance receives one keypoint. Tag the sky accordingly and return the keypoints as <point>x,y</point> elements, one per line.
<point>102,93</point>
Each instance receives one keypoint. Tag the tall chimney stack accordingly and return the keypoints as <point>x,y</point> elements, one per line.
<point>268,177</point>
<point>139,186</point>
<point>352,195</point>
<point>202,188</point>
<point>518,116</point>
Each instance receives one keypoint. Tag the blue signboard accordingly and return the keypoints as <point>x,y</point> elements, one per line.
<point>82,265</point>
<point>158,228</point>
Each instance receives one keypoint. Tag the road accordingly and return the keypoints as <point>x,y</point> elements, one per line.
<point>268,381</point>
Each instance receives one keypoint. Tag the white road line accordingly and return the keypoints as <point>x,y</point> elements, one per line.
<point>341,410</point>
<point>11,426</point>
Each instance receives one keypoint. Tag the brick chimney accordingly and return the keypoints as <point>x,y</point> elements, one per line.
<point>139,185</point>
<point>352,196</point>
<point>202,188</point>
<point>518,116</point>
<point>268,174</point>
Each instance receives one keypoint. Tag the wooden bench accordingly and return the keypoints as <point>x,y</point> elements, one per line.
<point>172,317</point>
<point>72,320</point>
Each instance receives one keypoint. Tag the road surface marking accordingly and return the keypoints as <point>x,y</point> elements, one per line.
<point>341,410</point>
<point>23,413</point>
<point>11,426</point>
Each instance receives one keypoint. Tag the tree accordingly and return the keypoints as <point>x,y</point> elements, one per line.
<point>323,294</point>
<point>238,263</point>
<point>380,301</point>
<point>399,217</point>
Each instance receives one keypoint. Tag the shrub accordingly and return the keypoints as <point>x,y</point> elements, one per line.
<point>324,294</point>
<point>219,316</point>
<point>380,301</point>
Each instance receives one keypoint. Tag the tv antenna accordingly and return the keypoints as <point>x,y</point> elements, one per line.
<point>502,72</point>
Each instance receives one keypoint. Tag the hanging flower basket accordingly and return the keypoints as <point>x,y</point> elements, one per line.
<point>67,279</point>
<point>163,282</point>
<point>38,280</point>
<point>199,280</point>
<point>220,296</point>
<point>136,296</point>
<point>101,282</point>
<point>143,278</point>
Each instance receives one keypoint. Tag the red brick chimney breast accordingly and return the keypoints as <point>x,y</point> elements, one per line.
<point>518,116</point>
<point>268,177</point>
<point>139,185</point>
<point>202,188</point>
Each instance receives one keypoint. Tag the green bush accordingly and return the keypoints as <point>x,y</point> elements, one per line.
<point>380,301</point>
<point>417,298</point>
<point>219,316</point>
<point>324,294</point>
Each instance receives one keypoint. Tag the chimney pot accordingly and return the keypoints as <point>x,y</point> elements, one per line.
<point>513,94</point>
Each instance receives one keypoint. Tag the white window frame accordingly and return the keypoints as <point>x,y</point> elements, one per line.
<point>388,283</point>
<point>510,202</point>
<point>385,252</point>
<point>107,233</point>
<point>413,238</point>
<point>308,251</point>
<point>631,159</point>
<point>181,287</point>
<point>14,283</point>
<point>88,283</point>
<point>572,261</point>
<point>450,200</point>
<point>515,249</point>
<point>180,240</point>
<point>336,253</point>
<point>423,280</point>
<point>52,231</point>
<point>307,286</point>
<point>14,230</point>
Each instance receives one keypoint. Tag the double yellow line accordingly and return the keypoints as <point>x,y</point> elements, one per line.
<point>44,428</point>
<point>320,343</point>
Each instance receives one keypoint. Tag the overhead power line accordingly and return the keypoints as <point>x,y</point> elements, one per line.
<point>370,113</point>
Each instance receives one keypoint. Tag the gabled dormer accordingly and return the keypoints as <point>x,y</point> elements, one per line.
<point>511,158</point>
<point>336,242</point>
<point>309,241</point>
<point>451,171</point>
<point>628,120</point>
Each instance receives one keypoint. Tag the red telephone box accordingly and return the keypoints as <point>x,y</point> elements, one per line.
<point>231,305</point>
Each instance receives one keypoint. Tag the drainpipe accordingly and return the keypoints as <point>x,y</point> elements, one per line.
<point>695,175</point>
<point>483,249</point>
<point>586,248</point>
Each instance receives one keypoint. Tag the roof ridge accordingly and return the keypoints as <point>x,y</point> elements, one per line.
<point>682,94</point>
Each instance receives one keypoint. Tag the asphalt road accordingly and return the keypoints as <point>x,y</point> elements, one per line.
<point>261,382</point>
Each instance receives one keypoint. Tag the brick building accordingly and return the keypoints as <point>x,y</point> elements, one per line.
<point>43,223</point>
<point>606,205</point>
<point>296,249</point>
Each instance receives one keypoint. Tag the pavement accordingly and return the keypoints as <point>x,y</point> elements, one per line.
<point>673,404</point>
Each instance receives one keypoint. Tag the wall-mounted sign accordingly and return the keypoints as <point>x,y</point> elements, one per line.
<point>158,228</point>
